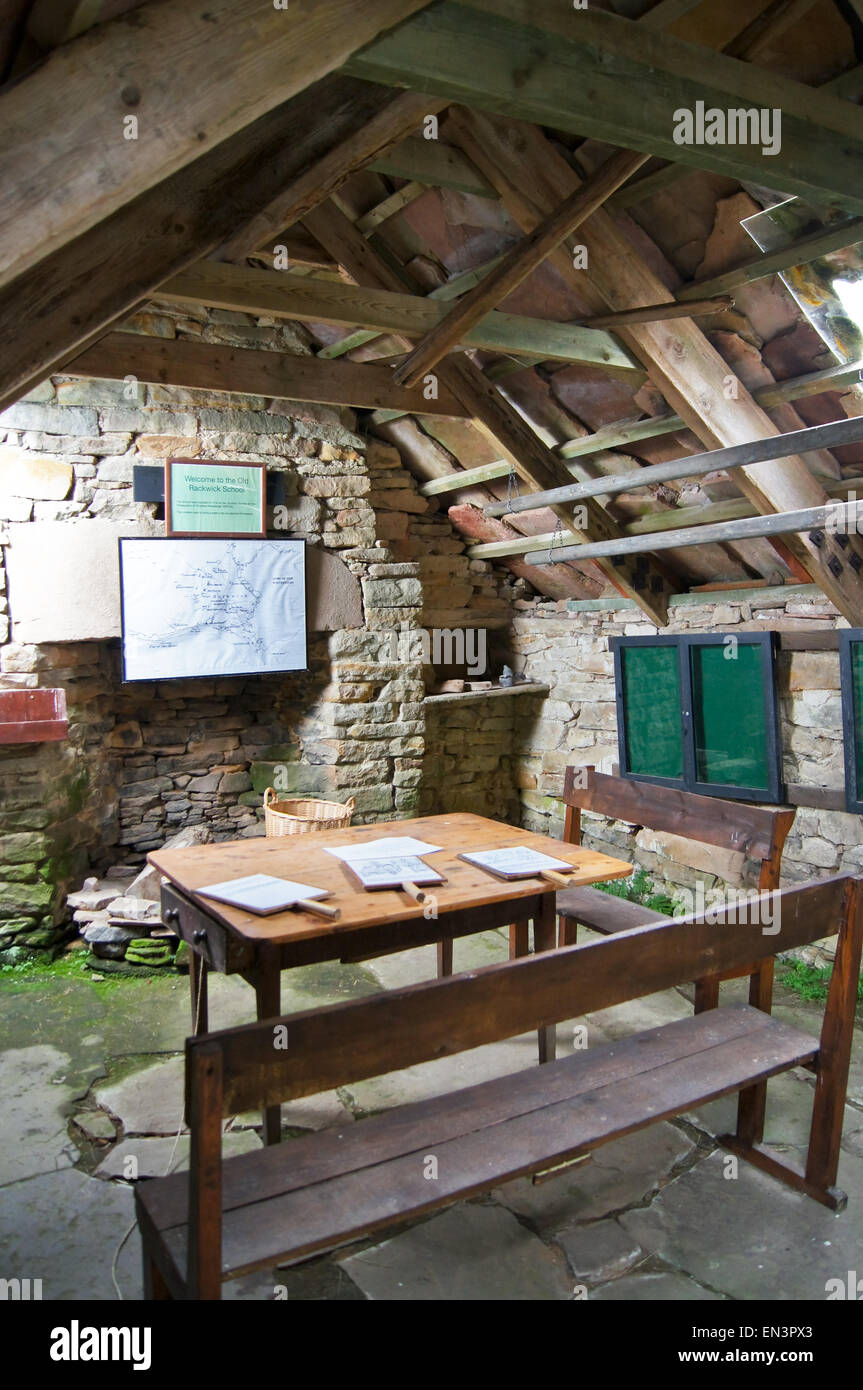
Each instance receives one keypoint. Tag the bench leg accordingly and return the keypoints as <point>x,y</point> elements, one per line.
<point>198,969</point>
<point>444,958</point>
<point>545,939</point>
<point>760,1156</point>
<point>752,1102</point>
<point>706,993</point>
<point>268,998</point>
<point>155,1288</point>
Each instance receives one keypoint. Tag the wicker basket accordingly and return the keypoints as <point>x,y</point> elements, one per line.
<point>301,817</point>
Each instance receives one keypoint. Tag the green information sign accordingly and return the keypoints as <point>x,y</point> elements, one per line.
<point>210,498</point>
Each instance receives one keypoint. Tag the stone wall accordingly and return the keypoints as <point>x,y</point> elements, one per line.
<point>567,645</point>
<point>144,760</point>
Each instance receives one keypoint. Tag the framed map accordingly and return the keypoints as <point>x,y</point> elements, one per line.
<point>212,607</point>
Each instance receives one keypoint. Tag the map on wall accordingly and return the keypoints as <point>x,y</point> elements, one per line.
<point>212,607</point>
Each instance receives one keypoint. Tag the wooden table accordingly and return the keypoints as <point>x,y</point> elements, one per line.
<point>372,923</point>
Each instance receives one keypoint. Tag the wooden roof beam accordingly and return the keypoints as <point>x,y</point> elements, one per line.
<point>584,67</point>
<point>402,114</point>
<point>831,436</point>
<point>531,177</point>
<point>287,296</point>
<point>821,243</point>
<point>433,163</point>
<point>155,81</point>
<point>55,309</point>
<point>517,265</point>
<point>247,371</point>
<point>493,415</point>
<point>838,519</point>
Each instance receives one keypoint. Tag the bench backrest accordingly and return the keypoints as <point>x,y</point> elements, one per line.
<point>759,832</point>
<point>275,1060</point>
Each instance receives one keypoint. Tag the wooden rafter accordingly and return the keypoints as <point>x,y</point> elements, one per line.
<point>167,72</point>
<point>767,27</point>
<point>645,582</point>
<point>584,68</point>
<point>55,309</point>
<point>286,296</point>
<point>624,432</point>
<point>246,371</point>
<point>801,252</point>
<point>835,435</point>
<point>841,516</point>
<point>517,265</point>
<point>433,163</point>
<point>388,126</point>
<point>531,178</point>
<point>656,313</point>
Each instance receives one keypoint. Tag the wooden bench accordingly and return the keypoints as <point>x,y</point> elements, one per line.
<point>227,1218</point>
<point>756,831</point>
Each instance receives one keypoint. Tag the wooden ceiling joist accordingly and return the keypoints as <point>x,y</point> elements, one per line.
<point>283,295</point>
<point>656,313</point>
<point>645,582</point>
<point>531,177</point>
<point>834,435</point>
<point>768,26</point>
<point>515,267</point>
<point>801,252</point>
<point>625,432</point>
<point>402,114</point>
<point>135,100</point>
<point>584,68</point>
<point>247,371</point>
<point>676,518</point>
<point>842,517</point>
<point>55,309</point>
<point>433,163</point>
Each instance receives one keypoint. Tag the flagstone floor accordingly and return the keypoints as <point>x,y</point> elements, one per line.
<point>91,1094</point>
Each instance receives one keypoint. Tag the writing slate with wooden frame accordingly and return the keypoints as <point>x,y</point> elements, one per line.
<point>212,498</point>
<point>851,679</point>
<point>700,712</point>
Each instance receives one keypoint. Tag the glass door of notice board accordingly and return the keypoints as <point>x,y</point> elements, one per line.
<point>700,712</point>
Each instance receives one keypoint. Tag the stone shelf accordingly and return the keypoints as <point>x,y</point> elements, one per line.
<point>464,696</point>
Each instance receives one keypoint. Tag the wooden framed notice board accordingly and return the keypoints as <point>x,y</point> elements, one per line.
<point>700,712</point>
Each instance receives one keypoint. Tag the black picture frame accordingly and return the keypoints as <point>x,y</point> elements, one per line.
<point>774,791</point>
<point>850,637</point>
<point>293,541</point>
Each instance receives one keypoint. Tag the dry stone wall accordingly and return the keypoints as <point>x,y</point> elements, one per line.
<point>143,761</point>
<point>567,646</point>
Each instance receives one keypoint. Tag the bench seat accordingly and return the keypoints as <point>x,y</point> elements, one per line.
<point>326,1189</point>
<point>603,912</point>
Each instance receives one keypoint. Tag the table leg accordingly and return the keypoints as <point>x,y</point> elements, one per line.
<point>268,997</point>
<point>545,939</point>
<point>198,991</point>
<point>519,941</point>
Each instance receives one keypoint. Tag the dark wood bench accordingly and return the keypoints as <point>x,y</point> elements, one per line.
<point>227,1218</point>
<point>758,832</point>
